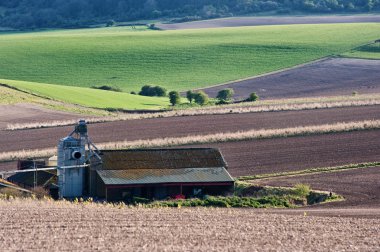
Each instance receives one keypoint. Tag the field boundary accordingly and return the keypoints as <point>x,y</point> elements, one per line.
<point>211,138</point>
<point>267,74</point>
<point>214,110</point>
<point>311,171</point>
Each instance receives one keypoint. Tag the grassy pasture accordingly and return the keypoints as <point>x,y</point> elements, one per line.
<point>178,60</point>
<point>89,97</point>
<point>371,51</point>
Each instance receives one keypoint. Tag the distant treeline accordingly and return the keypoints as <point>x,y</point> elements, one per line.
<point>29,14</point>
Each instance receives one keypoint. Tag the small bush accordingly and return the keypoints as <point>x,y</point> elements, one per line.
<point>108,88</point>
<point>40,192</point>
<point>174,97</point>
<point>225,96</point>
<point>8,193</point>
<point>133,92</point>
<point>190,96</point>
<point>148,90</point>
<point>253,97</point>
<point>355,93</point>
<point>201,98</point>
<point>110,23</point>
<point>302,190</point>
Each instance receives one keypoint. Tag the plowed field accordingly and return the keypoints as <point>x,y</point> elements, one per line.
<point>254,21</point>
<point>360,187</point>
<point>52,227</point>
<point>335,76</point>
<point>298,153</point>
<point>183,126</point>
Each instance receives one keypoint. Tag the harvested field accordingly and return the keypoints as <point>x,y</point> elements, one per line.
<point>333,76</point>
<point>298,153</point>
<point>64,226</point>
<point>23,113</point>
<point>255,21</point>
<point>360,187</point>
<point>183,126</point>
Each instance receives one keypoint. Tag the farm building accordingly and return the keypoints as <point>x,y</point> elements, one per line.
<point>160,173</point>
<point>83,170</point>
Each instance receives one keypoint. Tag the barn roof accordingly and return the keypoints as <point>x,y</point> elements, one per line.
<point>160,176</point>
<point>162,159</point>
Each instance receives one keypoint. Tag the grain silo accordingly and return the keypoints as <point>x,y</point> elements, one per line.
<point>72,158</point>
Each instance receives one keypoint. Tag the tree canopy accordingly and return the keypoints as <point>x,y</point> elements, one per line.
<point>30,14</point>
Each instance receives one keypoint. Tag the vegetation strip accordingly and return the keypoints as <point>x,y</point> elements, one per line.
<point>251,107</point>
<point>311,171</point>
<point>211,138</point>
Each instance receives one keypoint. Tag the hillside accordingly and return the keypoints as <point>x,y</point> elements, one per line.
<point>178,60</point>
<point>32,14</point>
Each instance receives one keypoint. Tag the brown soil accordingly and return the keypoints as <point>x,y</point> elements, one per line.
<point>360,187</point>
<point>28,113</point>
<point>183,126</point>
<point>334,76</point>
<point>255,21</point>
<point>62,226</point>
<point>298,153</point>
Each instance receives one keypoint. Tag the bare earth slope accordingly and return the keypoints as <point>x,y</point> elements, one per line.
<point>360,187</point>
<point>28,113</point>
<point>183,126</point>
<point>254,21</point>
<point>65,227</point>
<point>298,153</point>
<point>333,76</point>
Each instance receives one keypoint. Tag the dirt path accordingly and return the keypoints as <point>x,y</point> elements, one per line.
<point>183,126</point>
<point>255,21</point>
<point>334,76</point>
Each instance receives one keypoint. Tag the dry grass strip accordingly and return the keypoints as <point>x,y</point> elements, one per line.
<point>211,138</point>
<point>311,171</point>
<point>255,107</point>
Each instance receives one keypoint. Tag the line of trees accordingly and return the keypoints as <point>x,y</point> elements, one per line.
<point>29,14</point>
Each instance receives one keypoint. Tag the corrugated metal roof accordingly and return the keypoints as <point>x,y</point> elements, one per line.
<point>158,176</point>
<point>162,158</point>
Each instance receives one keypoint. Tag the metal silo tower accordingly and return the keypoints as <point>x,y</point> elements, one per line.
<point>72,159</point>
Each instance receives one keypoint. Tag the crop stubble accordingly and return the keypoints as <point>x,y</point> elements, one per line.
<point>51,226</point>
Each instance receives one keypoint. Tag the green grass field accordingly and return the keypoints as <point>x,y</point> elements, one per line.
<point>88,97</point>
<point>371,51</point>
<point>178,60</point>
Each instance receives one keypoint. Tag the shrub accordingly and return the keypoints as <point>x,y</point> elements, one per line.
<point>174,97</point>
<point>133,92</point>
<point>159,91</point>
<point>355,93</point>
<point>302,190</point>
<point>201,98</point>
<point>253,97</point>
<point>148,90</point>
<point>110,23</point>
<point>225,95</point>
<point>190,96</point>
<point>40,192</point>
<point>8,193</point>
<point>108,88</point>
